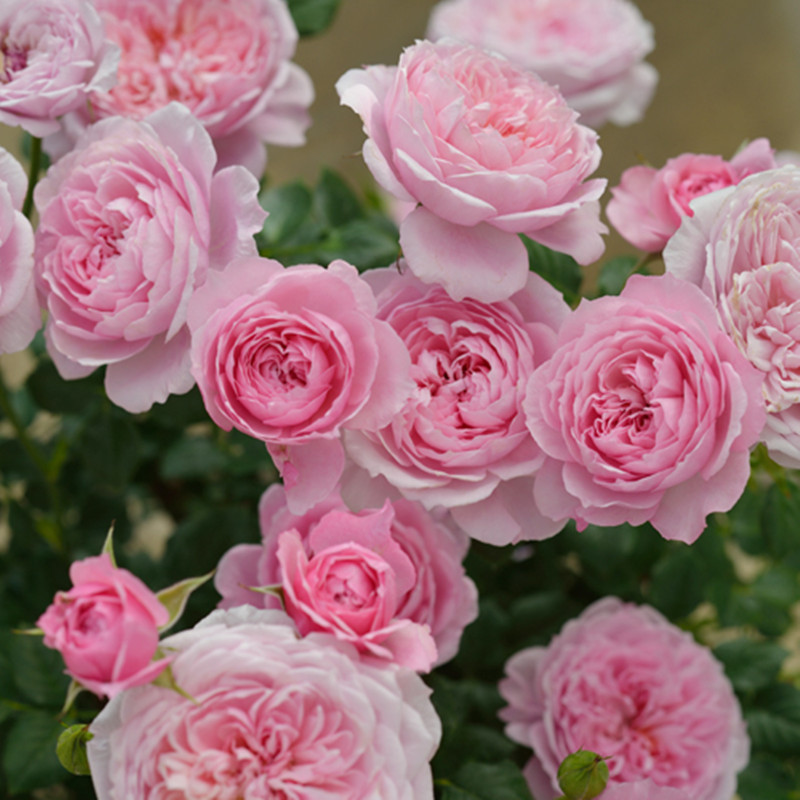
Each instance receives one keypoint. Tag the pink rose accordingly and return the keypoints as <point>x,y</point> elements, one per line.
<point>489,151</point>
<point>646,412</point>
<point>131,222</point>
<point>270,715</point>
<point>460,440</point>
<point>293,356</point>
<point>742,248</point>
<point>106,627</point>
<point>53,54</point>
<point>441,597</point>
<point>620,680</point>
<point>648,205</point>
<point>20,317</point>
<point>228,61</point>
<point>593,50</point>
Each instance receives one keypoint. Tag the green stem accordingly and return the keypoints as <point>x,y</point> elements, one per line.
<point>54,535</point>
<point>33,174</point>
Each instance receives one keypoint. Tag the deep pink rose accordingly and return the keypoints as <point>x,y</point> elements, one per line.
<point>53,53</point>
<point>460,440</point>
<point>489,151</point>
<point>646,412</point>
<point>269,715</point>
<point>292,356</point>
<point>623,682</point>
<point>648,205</point>
<point>20,316</point>
<point>742,248</point>
<point>593,50</point>
<point>106,627</point>
<point>228,61</point>
<point>131,222</point>
<point>441,597</point>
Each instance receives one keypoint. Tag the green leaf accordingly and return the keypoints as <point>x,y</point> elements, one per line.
<point>773,721</point>
<point>335,201</point>
<point>502,781</point>
<point>71,749</point>
<point>582,775</point>
<point>558,269</point>
<point>452,792</point>
<point>110,449</point>
<point>288,207</point>
<point>677,583</point>
<point>52,393</point>
<point>37,671</point>
<point>614,274</point>
<point>765,778</point>
<point>367,243</point>
<point>750,664</point>
<point>174,597</point>
<point>312,16</point>
<point>192,457</point>
<point>30,759</point>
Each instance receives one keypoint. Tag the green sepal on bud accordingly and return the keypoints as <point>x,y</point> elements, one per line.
<point>582,775</point>
<point>71,749</point>
<point>174,597</point>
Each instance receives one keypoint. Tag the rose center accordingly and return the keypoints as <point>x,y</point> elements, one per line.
<point>12,60</point>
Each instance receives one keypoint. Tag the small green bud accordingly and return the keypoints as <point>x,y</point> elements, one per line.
<point>71,749</point>
<point>583,775</point>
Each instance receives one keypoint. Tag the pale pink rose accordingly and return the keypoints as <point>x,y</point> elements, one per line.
<point>623,682</point>
<point>648,205</point>
<point>646,412</point>
<point>489,151</point>
<point>106,627</point>
<point>592,50</point>
<point>228,61</point>
<point>441,596</point>
<point>20,317</point>
<point>131,223</point>
<point>53,53</point>
<point>267,715</point>
<point>742,248</point>
<point>460,440</point>
<point>293,356</point>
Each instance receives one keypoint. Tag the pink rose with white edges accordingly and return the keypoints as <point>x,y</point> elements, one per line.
<point>489,151</point>
<point>131,223</point>
<point>228,61</point>
<point>292,356</point>
<point>593,50</point>
<point>20,317</point>
<point>742,248</point>
<point>649,204</point>
<point>53,54</point>
<point>267,715</point>
<point>441,597</point>
<point>460,440</point>
<point>646,412</point>
<point>623,682</point>
<point>106,627</point>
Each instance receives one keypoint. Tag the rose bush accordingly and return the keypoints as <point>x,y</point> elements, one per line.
<point>228,62</point>
<point>131,223</point>
<point>489,151</point>
<point>54,53</point>
<point>460,440</point>
<point>106,627</point>
<point>441,596</point>
<point>269,715</point>
<point>592,50</point>
<point>622,681</point>
<point>648,205</point>
<point>742,249</point>
<point>646,412</point>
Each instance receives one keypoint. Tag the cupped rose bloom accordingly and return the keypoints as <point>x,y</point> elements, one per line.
<point>228,61</point>
<point>292,356</point>
<point>267,715</point>
<point>460,440</point>
<point>592,50</point>
<point>131,223</point>
<point>489,151</point>
<point>53,53</point>
<point>646,412</point>
<point>441,597</point>
<point>106,627</point>
<point>20,316</point>
<point>742,248</point>
<point>648,205</point>
<point>623,682</point>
